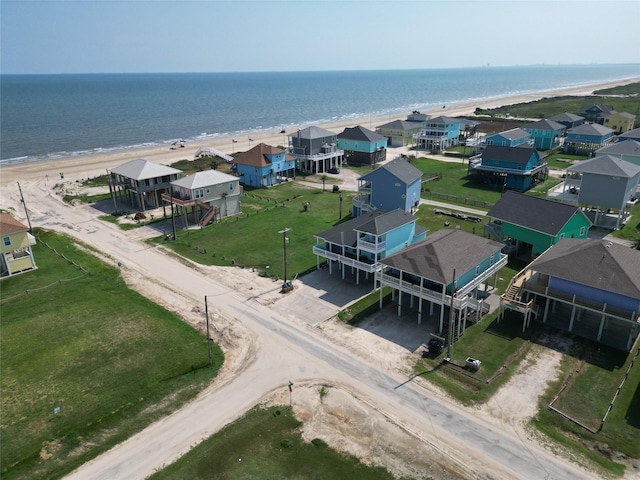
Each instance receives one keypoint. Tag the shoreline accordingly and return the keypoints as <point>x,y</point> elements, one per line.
<point>77,167</point>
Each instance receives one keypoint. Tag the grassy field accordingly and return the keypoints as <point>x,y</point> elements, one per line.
<point>108,358</point>
<point>266,443</point>
<point>623,99</point>
<point>252,239</point>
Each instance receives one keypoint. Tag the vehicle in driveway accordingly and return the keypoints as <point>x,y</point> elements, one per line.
<point>335,170</point>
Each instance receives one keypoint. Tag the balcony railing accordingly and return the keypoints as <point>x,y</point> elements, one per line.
<point>345,260</point>
<point>371,246</point>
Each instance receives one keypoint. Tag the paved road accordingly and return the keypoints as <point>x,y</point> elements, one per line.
<point>286,350</point>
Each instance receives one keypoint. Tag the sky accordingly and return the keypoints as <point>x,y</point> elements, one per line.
<point>86,36</point>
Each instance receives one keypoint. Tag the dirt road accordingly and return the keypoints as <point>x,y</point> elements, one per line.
<point>267,348</point>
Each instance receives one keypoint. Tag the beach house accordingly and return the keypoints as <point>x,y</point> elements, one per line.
<point>628,150</point>
<point>513,168</point>
<point>588,287</point>
<point>393,185</point>
<point>140,183</point>
<point>594,112</point>
<point>509,138</point>
<point>606,186</point>
<point>531,225</point>
<point>360,243</point>
<point>619,122</point>
<point>630,135</point>
<point>362,146</point>
<point>546,134</point>
<point>446,264</point>
<point>315,150</point>
<point>209,194</point>
<point>264,166</point>
<point>438,134</point>
<point>16,255</point>
<point>586,139</point>
<point>569,120</point>
<point>399,133</point>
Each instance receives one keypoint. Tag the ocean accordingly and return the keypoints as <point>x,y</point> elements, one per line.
<point>52,116</point>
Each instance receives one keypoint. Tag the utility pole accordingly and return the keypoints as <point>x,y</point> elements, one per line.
<point>26,212</point>
<point>451,329</point>
<point>284,254</point>
<point>209,339</point>
<point>173,218</point>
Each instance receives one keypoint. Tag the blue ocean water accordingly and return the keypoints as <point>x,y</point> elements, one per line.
<point>51,116</point>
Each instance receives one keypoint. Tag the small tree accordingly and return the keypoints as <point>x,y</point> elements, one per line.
<point>324,178</point>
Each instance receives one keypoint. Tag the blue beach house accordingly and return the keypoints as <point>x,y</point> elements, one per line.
<point>362,146</point>
<point>588,287</point>
<point>264,166</point>
<point>394,185</point>
<point>425,271</point>
<point>586,139</point>
<point>438,134</point>
<point>546,133</point>
<point>511,168</point>
<point>509,138</point>
<point>362,242</point>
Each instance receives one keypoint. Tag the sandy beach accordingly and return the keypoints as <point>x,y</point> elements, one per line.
<point>80,167</point>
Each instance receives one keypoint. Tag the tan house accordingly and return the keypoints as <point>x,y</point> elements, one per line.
<point>619,122</point>
<point>15,253</point>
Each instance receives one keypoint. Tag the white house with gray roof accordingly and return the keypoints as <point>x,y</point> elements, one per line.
<point>210,194</point>
<point>141,183</point>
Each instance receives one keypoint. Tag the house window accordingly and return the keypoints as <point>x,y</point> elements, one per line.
<point>6,241</point>
<point>491,260</point>
<point>477,269</point>
<point>199,193</point>
<point>561,236</point>
<point>231,186</point>
<point>582,231</point>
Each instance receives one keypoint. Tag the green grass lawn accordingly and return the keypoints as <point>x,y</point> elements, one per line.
<point>488,341</point>
<point>252,239</point>
<point>562,161</point>
<point>587,398</point>
<point>266,443</point>
<point>631,229</point>
<point>110,359</point>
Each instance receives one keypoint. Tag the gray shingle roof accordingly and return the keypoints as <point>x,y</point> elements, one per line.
<point>312,132</point>
<point>594,262</point>
<point>443,119</point>
<point>401,125</point>
<point>399,168</point>
<point>141,169</point>
<point>520,154</point>
<point>204,179</point>
<point>361,134</point>
<point>376,222</point>
<point>440,253</point>
<point>590,129</point>
<point>545,124</point>
<point>566,117</point>
<point>545,216</point>
<point>606,165</point>
<point>631,134</point>
<point>513,134</point>
<point>629,147</point>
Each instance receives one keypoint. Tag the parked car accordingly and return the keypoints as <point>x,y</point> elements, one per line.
<point>335,170</point>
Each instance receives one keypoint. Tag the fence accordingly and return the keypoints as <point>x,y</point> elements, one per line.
<point>60,281</point>
<point>454,198</point>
